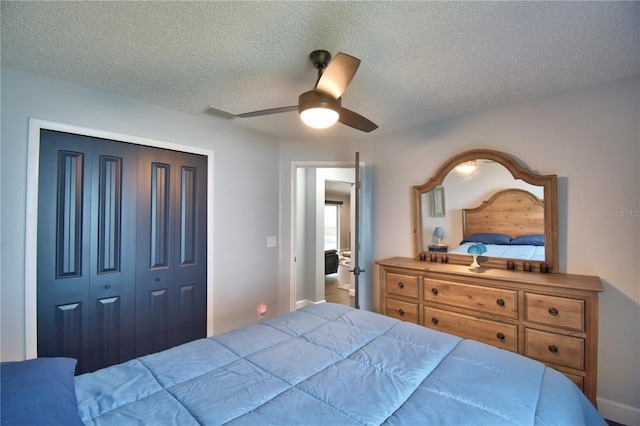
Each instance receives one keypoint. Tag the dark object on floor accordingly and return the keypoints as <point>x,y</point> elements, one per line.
<point>330,262</point>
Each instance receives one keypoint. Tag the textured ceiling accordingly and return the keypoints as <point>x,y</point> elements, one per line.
<point>421,61</point>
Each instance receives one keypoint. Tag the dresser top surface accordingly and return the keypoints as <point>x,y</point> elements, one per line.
<point>581,282</point>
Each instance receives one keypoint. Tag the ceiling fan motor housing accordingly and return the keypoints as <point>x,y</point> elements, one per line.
<point>316,99</point>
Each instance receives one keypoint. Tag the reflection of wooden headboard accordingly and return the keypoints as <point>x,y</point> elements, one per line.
<point>511,211</point>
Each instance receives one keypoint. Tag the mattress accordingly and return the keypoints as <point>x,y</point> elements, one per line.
<point>525,252</point>
<point>329,364</point>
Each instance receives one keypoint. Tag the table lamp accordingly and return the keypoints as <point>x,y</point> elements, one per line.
<point>439,234</point>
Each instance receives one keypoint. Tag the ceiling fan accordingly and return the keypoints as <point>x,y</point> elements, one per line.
<point>321,107</point>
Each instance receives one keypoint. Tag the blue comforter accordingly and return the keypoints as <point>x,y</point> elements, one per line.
<point>330,364</point>
<point>526,252</point>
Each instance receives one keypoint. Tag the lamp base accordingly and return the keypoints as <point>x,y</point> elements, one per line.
<point>475,263</point>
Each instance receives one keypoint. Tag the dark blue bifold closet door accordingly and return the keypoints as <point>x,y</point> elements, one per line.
<point>121,249</point>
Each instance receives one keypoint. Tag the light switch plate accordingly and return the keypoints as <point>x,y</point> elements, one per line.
<point>271,241</point>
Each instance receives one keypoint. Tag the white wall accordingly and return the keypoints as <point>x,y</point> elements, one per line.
<point>591,140</point>
<point>245,192</point>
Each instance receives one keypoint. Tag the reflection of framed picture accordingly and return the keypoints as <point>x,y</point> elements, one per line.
<point>436,198</point>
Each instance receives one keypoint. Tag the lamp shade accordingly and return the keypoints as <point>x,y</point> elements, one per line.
<point>438,232</point>
<point>475,250</point>
<point>319,118</point>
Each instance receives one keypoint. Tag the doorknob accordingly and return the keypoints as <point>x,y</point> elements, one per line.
<point>357,271</point>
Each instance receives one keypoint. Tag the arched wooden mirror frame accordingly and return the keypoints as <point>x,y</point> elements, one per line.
<point>548,182</point>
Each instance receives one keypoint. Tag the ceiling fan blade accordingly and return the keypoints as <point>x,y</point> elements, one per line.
<point>355,120</point>
<point>268,111</point>
<point>338,75</point>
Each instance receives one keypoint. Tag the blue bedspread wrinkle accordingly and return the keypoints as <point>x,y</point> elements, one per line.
<point>330,364</point>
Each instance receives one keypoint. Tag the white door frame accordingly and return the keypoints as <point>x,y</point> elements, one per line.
<point>31,235</point>
<point>295,165</point>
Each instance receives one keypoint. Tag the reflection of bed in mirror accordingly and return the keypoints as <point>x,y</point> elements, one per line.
<point>510,224</point>
<point>494,172</point>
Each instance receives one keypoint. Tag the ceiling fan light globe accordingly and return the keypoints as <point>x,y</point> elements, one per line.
<point>319,118</point>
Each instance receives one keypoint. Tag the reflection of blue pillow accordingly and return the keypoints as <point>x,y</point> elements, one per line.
<point>487,238</point>
<point>39,391</point>
<point>529,240</point>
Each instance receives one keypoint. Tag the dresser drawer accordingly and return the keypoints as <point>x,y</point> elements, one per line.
<point>578,380</point>
<point>554,348</point>
<point>404,311</point>
<point>489,300</point>
<point>504,336</point>
<point>402,285</point>
<point>554,310</point>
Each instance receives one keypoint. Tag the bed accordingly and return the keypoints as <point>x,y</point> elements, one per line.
<point>325,364</point>
<point>510,224</point>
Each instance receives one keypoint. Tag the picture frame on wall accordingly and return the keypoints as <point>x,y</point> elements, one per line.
<point>436,200</point>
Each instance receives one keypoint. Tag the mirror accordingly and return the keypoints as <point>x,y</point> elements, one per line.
<point>495,196</point>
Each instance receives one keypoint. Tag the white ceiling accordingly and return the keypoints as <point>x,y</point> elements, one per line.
<point>421,61</point>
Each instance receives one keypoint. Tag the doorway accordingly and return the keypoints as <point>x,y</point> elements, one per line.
<point>307,257</point>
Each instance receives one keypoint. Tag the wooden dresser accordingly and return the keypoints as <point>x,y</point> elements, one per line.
<point>549,317</point>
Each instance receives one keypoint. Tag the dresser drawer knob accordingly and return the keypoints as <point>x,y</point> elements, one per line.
<point>500,336</point>
<point>553,348</point>
<point>434,320</point>
<point>434,291</point>
<point>500,302</point>
<point>401,312</point>
<point>553,311</point>
<point>401,284</point>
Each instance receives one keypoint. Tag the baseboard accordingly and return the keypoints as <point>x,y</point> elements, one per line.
<point>306,302</point>
<point>619,413</point>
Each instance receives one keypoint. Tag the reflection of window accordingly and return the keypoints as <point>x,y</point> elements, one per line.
<point>331,226</point>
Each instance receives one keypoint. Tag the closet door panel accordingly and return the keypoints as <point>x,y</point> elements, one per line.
<point>155,269</point>
<point>63,247</point>
<point>191,249</point>
<point>113,228</point>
